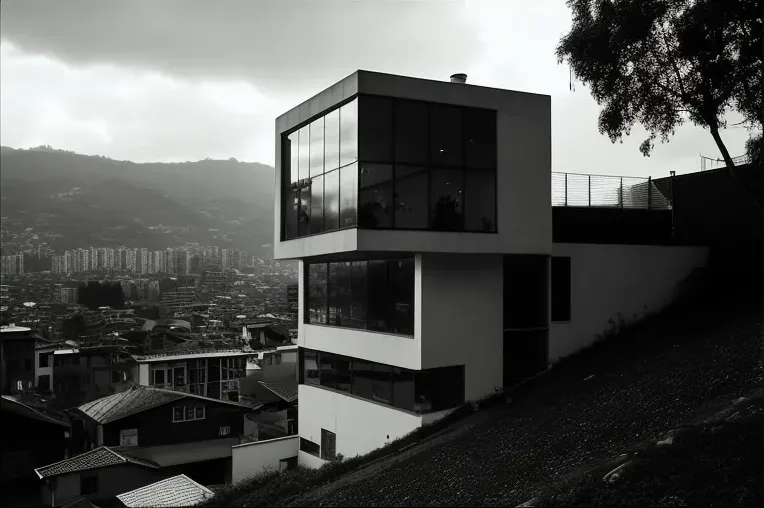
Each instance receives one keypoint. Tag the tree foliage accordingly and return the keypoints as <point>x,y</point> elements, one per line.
<point>661,63</point>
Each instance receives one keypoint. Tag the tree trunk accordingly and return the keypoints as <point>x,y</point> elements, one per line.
<point>731,165</point>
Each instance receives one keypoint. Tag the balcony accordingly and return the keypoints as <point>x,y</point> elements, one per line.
<point>604,191</point>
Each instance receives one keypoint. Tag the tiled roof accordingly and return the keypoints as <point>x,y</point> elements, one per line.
<point>34,411</point>
<point>136,399</point>
<point>176,491</point>
<point>92,459</point>
<point>133,400</point>
<point>286,390</point>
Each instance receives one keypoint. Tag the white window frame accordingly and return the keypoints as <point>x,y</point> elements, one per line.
<point>184,408</point>
<point>128,437</point>
<point>225,430</point>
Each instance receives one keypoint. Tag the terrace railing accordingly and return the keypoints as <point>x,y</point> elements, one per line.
<point>603,191</point>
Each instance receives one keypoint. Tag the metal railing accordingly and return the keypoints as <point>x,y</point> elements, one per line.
<point>707,163</point>
<point>603,191</point>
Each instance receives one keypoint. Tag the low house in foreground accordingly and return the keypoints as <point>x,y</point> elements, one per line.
<point>180,432</point>
<point>176,491</point>
<point>96,475</point>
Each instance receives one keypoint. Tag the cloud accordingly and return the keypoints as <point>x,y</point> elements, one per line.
<point>282,46</point>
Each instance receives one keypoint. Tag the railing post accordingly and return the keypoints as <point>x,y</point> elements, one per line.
<point>620,193</point>
<point>566,189</point>
<point>649,191</point>
<point>590,190</point>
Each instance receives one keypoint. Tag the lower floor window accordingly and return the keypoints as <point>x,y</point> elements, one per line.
<point>420,391</point>
<point>309,446</point>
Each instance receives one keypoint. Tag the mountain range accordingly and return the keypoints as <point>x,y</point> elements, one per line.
<point>71,200</point>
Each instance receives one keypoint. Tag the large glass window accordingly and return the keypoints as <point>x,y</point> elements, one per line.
<point>421,391</point>
<point>375,196</point>
<point>392,163</point>
<point>373,295</point>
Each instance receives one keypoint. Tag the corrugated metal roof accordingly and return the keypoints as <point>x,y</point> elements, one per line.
<point>176,491</point>
<point>286,390</point>
<point>93,459</point>
<point>37,412</point>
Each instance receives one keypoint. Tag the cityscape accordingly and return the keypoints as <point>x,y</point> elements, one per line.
<point>435,288</point>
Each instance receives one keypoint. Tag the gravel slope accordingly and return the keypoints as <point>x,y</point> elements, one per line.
<point>645,382</point>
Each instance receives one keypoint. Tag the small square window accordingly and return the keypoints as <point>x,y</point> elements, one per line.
<point>189,413</point>
<point>226,430</point>
<point>199,412</point>
<point>88,485</point>
<point>177,414</point>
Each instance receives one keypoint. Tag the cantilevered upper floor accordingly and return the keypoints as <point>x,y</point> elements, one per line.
<point>380,162</point>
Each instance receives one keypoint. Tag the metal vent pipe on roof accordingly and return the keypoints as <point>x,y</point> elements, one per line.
<point>458,78</point>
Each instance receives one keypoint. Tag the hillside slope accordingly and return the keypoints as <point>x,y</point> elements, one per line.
<point>590,409</point>
<point>72,200</point>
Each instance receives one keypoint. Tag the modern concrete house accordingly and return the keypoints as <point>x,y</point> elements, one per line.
<point>440,259</point>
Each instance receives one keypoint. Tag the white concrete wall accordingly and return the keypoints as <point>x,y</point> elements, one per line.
<point>360,426</point>
<point>633,280</point>
<point>184,453</point>
<point>254,458</point>
<point>462,318</point>
<point>524,164</point>
<point>43,371</point>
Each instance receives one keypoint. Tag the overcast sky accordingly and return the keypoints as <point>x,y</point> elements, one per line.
<point>175,80</point>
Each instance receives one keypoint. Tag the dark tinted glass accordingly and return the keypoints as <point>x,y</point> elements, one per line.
<point>309,447</point>
<point>349,195</point>
<point>317,147</point>
<point>411,132</point>
<point>560,289</point>
<point>342,278</point>
<point>304,152</point>
<point>317,286</point>
<point>291,202</point>
<point>349,133</point>
<point>480,138</point>
<point>375,196</point>
<point>358,274</point>
<point>480,210</point>
<point>334,317</point>
<point>446,213</point>
<point>311,375</point>
<point>363,376</point>
<point>402,273</point>
<point>375,129</point>
<point>445,135</point>
<point>292,156</point>
<point>378,296</point>
<point>327,364</point>
<point>403,388</point>
<point>316,204</point>
<point>304,211</point>
<point>344,378</point>
<point>382,389</point>
<point>332,200</point>
<point>332,140</point>
<point>411,197</point>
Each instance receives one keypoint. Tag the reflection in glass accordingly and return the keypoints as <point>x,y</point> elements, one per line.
<point>403,388</point>
<point>375,129</point>
<point>328,370</point>
<point>349,133</point>
<point>363,376</point>
<point>342,279</point>
<point>317,147</point>
<point>317,294</point>
<point>375,196</point>
<point>349,195</point>
<point>357,295</point>
<point>411,193</point>
<point>317,205</point>
<point>402,274</point>
<point>333,317</point>
<point>303,213</point>
<point>378,297</point>
<point>480,138</point>
<point>311,376</point>
<point>332,140</point>
<point>480,211</point>
<point>446,213</point>
<point>291,203</point>
<point>304,153</point>
<point>332,200</point>
<point>445,135</point>
<point>292,152</point>
<point>382,388</point>
<point>411,132</point>
<point>343,373</point>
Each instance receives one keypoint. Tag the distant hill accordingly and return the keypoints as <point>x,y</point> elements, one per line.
<point>72,200</point>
